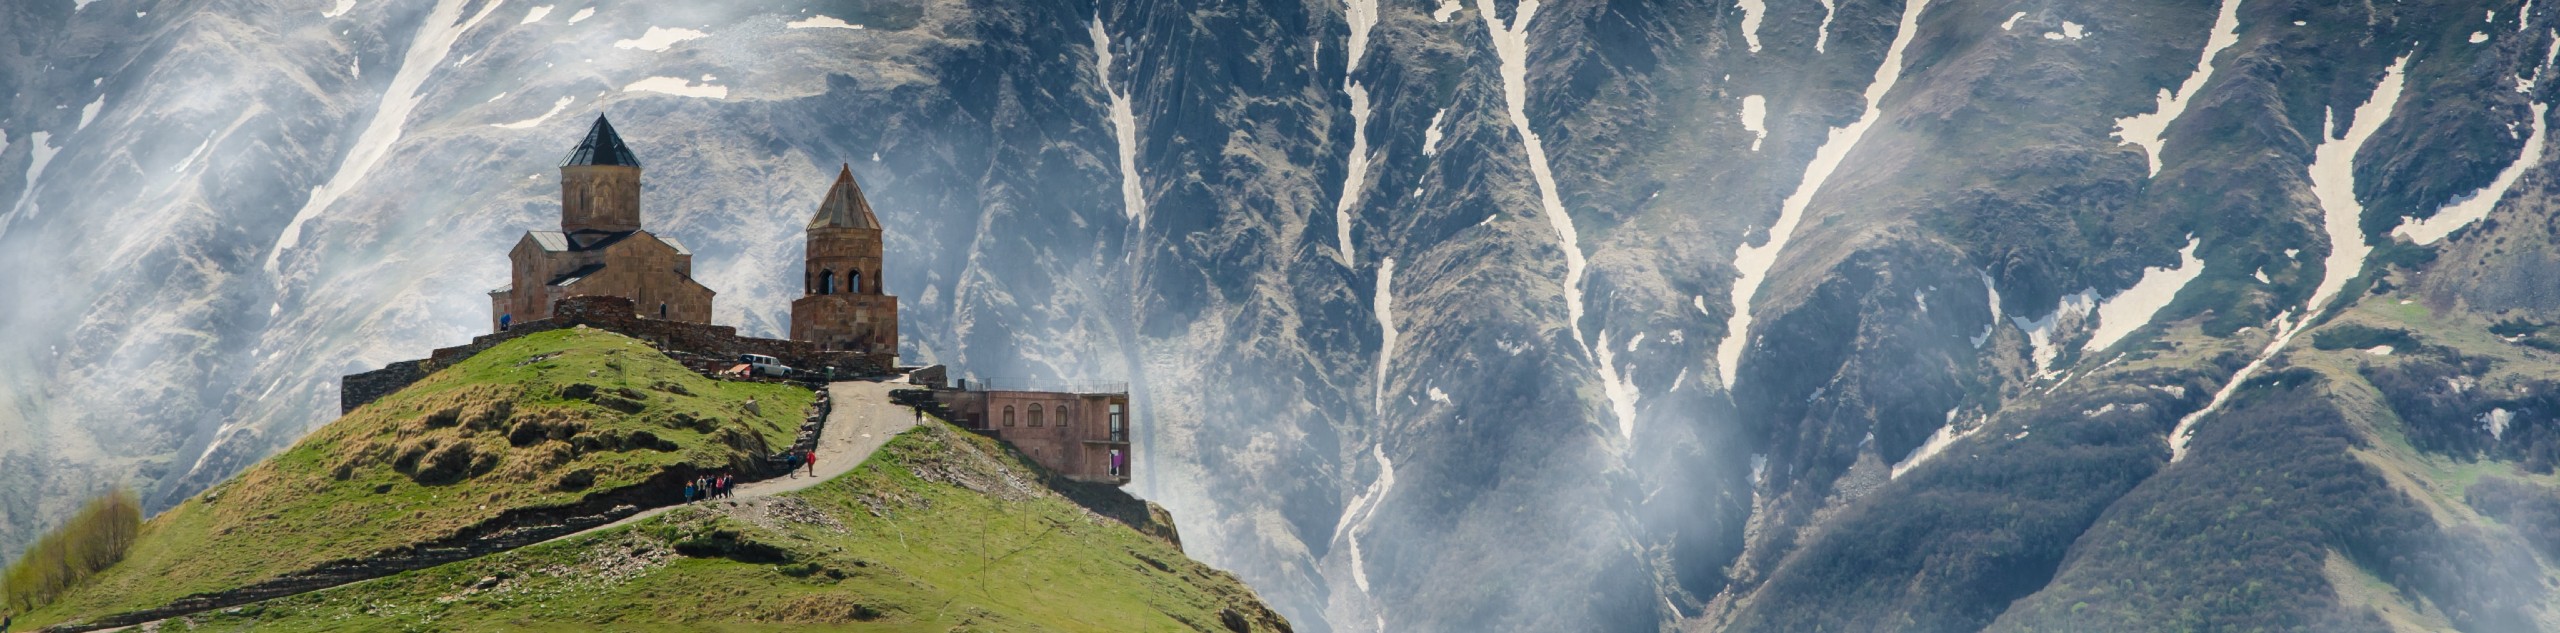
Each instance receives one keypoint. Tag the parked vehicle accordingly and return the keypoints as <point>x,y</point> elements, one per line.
<point>764,365</point>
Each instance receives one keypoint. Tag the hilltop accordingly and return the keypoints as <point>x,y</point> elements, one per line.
<point>940,530</point>
<point>535,439</point>
<point>532,433</point>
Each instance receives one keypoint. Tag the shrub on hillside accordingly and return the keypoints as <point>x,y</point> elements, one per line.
<point>93,540</point>
<point>2354,336</point>
<point>2532,509</point>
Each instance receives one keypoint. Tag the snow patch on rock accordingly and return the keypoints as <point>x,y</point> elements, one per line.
<point>1991,289</point>
<point>1431,135</point>
<point>41,152</point>
<point>2044,333</point>
<point>1355,178</point>
<point>1938,442</point>
<point>2471,207</point>
<point>678,86</point>
<point>823,22</point>
<point>1831,9</point>
<point>1755,119</point>
<point>90,112</point>
<point>1124,126</point>
<point>1511,45</point>
<point>2147,130</point>
<point>1363,15</point>
<point>658,39</point>
<point>1382,305</point>
<point>1755,261</point>
<point>2120,315</point>
<point>1364,508</point>
<point>2333,183</point>
<point>556,107</point>
<point>2496,421</point>
<point>1751,12</point>
<point>1618,386</point>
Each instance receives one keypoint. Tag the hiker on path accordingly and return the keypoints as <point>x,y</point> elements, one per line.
<point>813,463</point>
<point>794,461</point>
<point>688,492</point>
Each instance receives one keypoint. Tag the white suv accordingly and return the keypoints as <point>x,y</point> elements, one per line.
<point>765,365</point>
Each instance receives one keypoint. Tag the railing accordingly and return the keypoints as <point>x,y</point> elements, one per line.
<point>1019,384</point>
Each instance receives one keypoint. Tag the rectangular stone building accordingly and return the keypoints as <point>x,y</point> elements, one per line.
<point>1081,432</point>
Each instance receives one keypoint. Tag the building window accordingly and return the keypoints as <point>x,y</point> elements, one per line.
<point>1063,416</point>
<point>1008,415</point>
<point>857,282</point>
<point>1035,415</point>
<point>827,282</point>
<point>1119,422</point>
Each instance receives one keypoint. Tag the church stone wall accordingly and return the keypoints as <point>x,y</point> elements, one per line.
<point>638,268</point>
<point>615,314</point>
<point>863,323</point>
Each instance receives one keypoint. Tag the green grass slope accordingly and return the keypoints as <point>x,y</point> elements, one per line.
<point>938,531</point>
<point>542,421</point>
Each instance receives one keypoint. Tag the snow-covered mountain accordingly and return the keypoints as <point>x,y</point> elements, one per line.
<point>1760,315</point>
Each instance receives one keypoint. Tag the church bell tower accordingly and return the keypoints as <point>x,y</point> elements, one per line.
<point>600,184</point>
<point>843,304</point>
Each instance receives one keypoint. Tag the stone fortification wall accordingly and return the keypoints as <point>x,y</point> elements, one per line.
<point>679,339</point>
<point>356,389</point>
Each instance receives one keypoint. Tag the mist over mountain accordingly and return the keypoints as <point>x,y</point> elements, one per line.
<point>1757,315</point>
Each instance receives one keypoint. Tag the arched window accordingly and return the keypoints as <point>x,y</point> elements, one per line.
<point>827,282</point>
<point>856,278</point>
<point>1008,415</point>
<point>1035,415</point>
<point>1062,416</point>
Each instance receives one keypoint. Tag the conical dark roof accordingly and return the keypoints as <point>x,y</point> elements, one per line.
<point>602,147</point>
<point>845,206</point>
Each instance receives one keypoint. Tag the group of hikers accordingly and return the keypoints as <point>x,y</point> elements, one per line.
<point>709,487</point>
<point>799,459</point>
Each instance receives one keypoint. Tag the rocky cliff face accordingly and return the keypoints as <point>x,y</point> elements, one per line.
<point>1768,315</point>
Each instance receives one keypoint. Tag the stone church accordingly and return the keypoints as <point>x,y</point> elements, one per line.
<point>601,251</point>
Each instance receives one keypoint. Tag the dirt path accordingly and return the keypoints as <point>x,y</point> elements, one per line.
<point>863,420</point>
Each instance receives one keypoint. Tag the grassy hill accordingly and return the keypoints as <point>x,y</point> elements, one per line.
<point>554,420</point>
<point>938,531</point>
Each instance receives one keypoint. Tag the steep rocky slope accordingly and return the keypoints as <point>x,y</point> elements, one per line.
<point>1760,315</point>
